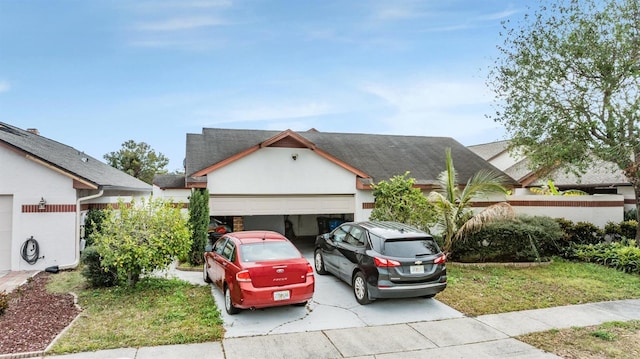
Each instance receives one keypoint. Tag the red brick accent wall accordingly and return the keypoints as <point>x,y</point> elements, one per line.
<point>49,208</point>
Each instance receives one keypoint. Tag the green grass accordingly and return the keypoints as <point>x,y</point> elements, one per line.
<point>155,312</point>
<point>161,311</point>
<point>608,340</point>
<point>477,290</point>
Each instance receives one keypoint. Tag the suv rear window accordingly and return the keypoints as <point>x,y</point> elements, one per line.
<point>267,251</point>
<point>409,247</point>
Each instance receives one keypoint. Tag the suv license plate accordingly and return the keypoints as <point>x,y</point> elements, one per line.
<point>416,269</point>
<point>281,295</point>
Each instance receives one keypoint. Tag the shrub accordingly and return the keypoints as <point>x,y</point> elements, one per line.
<point>580,232</point>
<point>618,255</point>
<point>523,239</point>
<point>630,215</point>
<point>92,224</point>
<point>4,302</point>
<point>628,229</point>
<point>142,238</point>
<point>93,270</point>
<point>198,223</point>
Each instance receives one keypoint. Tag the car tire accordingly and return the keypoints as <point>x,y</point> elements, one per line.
<point>360,289</point>
<point>318,261</point>
<point>428,296</point>
<point>205,274</point>
<point>228,304</point>
<point>301,304</point>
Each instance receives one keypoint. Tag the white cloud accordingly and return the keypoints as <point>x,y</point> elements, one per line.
<point>272,111</point>
<point>184,23</point>
<point>498,15</point>
<point>399,10</point>
<point>436,108</point>
<point>4,86</point>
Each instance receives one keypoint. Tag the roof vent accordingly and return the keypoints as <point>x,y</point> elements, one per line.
<point>34,131</point>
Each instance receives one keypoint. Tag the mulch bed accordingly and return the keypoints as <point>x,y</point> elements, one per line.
<point>34,317</point>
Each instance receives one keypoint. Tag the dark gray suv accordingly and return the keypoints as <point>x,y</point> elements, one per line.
<point>382,260</point>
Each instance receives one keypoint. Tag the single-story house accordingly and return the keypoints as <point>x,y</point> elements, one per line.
<point>46,187</point>
<point>613,194</point>
<point>600,178</point>
<point>307,180</point>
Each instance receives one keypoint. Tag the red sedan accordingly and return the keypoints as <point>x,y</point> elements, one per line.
<point>257,269</point>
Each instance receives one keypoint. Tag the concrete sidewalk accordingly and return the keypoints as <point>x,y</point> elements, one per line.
<point>486,336</point>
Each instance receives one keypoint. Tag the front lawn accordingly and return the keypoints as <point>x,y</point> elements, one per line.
<point>609,340</point>
<point>155,312</point>
<point>476,290</point>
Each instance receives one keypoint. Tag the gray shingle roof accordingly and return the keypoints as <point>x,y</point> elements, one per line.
<point>169,180</point>
<point>490,150</point>
<point>599,173</point>
<point>379,156</point>
<point>70,160</point>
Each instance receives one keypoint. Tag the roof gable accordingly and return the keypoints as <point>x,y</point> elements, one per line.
<point>285,139</point>
<point>86,171</point>
<point>372,158</point>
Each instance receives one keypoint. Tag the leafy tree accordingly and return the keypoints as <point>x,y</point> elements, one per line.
<point>139,238</point>
<point>398,200</point>
<point>452,202</point>
<point>567,85</point>
<point>198,223</point>
<point>92,224</point>
<point>138,160</point>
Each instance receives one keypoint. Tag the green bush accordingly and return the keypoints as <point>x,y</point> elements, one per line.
<point>524,239</point>
<point>580,232</point>
<point>93,270</point>
<point>628,229</point>
<point>618,255</point>
<point>198,224</point>
<point>142,237</point>
<point>630,215</point>
<point>92,224</point>
<point>4,302</point>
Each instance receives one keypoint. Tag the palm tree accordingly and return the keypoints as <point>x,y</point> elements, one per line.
<point>451,202</point>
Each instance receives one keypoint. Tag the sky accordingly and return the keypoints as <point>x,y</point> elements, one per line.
<point>94,74</point>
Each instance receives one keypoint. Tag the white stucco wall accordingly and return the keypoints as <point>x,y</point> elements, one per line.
<point>175,195</point>
<point>629,194</point>
<point>504,160</point>
<point>272,171</point>
<point>363,196</point>
<point>28,182</point>
<point>576,212</point>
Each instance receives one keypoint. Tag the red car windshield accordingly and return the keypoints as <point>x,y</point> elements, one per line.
<point>268,251</point>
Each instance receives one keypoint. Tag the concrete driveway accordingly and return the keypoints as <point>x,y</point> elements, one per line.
<point>333,307</point>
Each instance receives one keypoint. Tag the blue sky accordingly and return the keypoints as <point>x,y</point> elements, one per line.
<point>93,74</point>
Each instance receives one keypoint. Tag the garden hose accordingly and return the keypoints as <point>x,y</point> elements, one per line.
<point>30,250</point>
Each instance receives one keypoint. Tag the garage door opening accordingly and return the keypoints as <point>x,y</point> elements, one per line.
<point>301,229</point>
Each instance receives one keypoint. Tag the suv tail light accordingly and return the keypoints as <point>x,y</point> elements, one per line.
<point>441,259</point>
<point>382,262</point>
<point>243,276</point>
<point>309,270</point>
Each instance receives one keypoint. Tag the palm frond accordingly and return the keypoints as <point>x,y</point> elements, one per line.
<point>502,210</point>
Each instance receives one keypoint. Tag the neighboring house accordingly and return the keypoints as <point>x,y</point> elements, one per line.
<point>602,178</point>
<point>45,189</point>
<point>310,180</point>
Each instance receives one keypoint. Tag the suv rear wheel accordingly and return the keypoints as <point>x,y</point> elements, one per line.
<point>318,260</point>
<point>360,289</point>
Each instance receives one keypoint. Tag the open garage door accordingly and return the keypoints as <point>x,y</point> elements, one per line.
<point>281,205</point>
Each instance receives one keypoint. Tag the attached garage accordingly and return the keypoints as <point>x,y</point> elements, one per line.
<point>282,205</point>
<point>305,214</point>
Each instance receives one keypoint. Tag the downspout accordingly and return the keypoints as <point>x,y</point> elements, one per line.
<point>77,239</point>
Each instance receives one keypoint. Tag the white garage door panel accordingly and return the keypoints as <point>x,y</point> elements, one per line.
<point>5,232</point>
<point>244,206</point>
